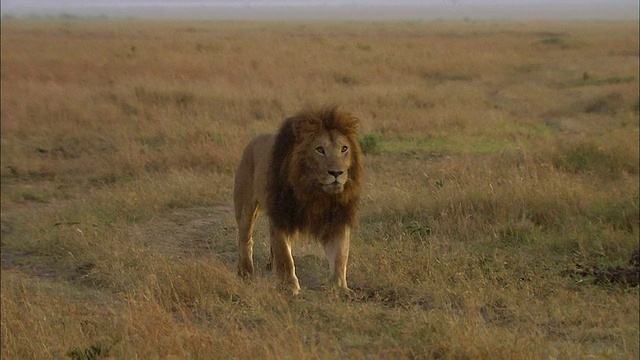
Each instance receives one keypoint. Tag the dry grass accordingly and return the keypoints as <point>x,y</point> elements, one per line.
<point>503,162</point>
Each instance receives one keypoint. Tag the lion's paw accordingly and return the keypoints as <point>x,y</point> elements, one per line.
<point>245,273</point>
<point>291,287</point>
<point>343,292</point>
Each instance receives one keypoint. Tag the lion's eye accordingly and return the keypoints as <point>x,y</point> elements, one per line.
<point>320,150</point>
<point>345,149</point>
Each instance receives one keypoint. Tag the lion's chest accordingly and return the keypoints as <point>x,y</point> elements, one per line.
<point>317,214</point>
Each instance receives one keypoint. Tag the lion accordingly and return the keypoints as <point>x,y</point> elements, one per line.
<point>307,178</point>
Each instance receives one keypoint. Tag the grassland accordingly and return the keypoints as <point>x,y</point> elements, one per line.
<point>499,217</point>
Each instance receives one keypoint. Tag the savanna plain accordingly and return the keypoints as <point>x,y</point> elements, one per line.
<point>499,216</point>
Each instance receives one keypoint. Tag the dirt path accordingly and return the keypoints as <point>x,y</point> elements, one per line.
<point>211,232</point>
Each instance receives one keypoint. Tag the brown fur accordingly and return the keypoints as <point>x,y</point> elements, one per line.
<point>292,184</point>
<point>294,202</point>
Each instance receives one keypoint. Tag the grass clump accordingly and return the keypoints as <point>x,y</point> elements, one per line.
<point>370,144</point>
<point>589,81</point>
<point>553,40</point>
<point>93,352</point>
<point>584,156</point>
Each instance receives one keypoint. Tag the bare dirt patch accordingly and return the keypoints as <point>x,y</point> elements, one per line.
<point>210,231</point>
<point>195,231</point>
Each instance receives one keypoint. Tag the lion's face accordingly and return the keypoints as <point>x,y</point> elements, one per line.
<point>330,157</point>
<point>325,159</point>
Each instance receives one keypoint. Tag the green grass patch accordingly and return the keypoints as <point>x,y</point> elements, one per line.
<point>370,144</point>
<point>442,146</point>
<point>553,40</point>
<point>32,195</point>
<point>590,81</point>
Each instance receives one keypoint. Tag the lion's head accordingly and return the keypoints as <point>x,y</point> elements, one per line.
<point>315,171</point>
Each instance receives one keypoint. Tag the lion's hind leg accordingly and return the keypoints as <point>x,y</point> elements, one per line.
<point>246,210</point>
<point>246,221</point>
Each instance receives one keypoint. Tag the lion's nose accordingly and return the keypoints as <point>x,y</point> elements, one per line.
<point>336,173</point>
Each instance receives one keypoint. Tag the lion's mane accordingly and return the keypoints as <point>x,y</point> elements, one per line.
<point>294,200</point>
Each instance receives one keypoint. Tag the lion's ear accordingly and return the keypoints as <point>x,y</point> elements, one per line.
<point>305,126</point>
<point>351,124</point>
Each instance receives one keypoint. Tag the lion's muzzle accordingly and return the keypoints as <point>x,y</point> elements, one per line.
<point>334,182</point>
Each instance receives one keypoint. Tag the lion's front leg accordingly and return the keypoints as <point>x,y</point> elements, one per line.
<point>283,260</point>
<point>337,250</point>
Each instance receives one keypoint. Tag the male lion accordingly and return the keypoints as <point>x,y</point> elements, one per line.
<point>308,179</point>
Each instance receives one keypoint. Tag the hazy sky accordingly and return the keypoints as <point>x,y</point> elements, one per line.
<point>272,8</point>
<point>258,3</point>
